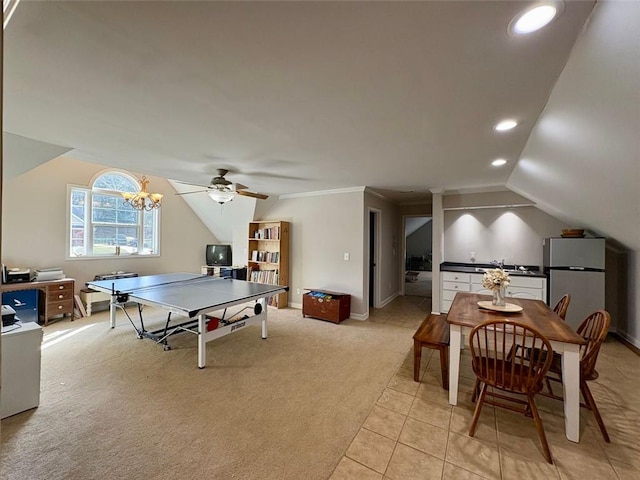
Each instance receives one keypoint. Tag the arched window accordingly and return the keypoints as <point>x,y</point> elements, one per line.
<point>102,225</point>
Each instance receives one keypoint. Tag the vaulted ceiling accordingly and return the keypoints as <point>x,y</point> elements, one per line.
<point>289,96</point>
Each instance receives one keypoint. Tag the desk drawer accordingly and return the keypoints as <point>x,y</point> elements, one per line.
<point>60,287</point>
<point>57,308</point>
<point>55,295</point>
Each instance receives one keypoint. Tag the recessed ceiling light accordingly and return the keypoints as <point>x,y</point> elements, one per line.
<point>535,18</point>
<point>505,125</point>
<point>499,162</point>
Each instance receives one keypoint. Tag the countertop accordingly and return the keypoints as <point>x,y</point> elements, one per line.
<point>531,270</point>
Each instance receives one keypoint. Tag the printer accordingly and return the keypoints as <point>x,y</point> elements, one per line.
<point>18,275</point>
<point>8,316</point>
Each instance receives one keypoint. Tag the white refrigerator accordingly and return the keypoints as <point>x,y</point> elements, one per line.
<point>20,368</point>
<point>575,266</point>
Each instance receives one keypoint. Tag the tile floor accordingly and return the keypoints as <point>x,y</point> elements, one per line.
<point>413,433</point>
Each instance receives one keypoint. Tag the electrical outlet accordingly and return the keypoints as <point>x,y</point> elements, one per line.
<point>297,291</point>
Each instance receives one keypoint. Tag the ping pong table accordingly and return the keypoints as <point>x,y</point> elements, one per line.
<point>189,295</point>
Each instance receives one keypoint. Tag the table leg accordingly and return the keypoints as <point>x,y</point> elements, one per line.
<point>112,311</point>
<point>455,341</point>
<point>202,342</point>
<point>571,391</point>
<point>263,304</point>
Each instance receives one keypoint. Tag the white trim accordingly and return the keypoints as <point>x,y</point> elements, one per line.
<point>388,300</point>
<point>631,340</point>
<point>323,192</point>
<point>512,205</point>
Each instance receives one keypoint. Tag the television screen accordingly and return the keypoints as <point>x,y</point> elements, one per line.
<point>218,255</point>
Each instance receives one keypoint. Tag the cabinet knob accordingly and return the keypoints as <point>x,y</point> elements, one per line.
<point>59,307</point>
<point>60,287</point>
<point>60,296</point>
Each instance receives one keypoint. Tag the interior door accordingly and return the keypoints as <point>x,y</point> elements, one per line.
<point>372,258</point>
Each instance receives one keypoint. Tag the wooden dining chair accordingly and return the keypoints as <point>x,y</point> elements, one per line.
<point>594,330</point>
<point>562,306</point>
<point>491,344</point>
<point>560,309</point>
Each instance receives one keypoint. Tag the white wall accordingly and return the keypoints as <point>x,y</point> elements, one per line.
<point>323,228</point>
<point>582,159</point>
<point>34,225</point>
<point>513,234</point>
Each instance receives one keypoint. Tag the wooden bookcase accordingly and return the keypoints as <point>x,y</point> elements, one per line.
<point>268,257</point>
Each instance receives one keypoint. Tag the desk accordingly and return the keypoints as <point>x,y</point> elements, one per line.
<point>56,296</point>
<point>465,314</point>
<point>192,296</point>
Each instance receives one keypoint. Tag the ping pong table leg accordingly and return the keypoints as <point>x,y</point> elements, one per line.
<point>202,343</point>
<point>263,305</point>
<point>112,311</point>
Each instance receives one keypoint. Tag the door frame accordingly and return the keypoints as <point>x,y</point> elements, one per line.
<point>373,301</point>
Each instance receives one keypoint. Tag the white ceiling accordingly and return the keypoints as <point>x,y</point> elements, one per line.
<point>291,97</point>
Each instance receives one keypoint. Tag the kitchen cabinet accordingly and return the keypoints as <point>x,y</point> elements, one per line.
<point>534,288</point>
<point>452,283</point>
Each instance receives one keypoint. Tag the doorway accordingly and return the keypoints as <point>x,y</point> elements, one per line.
<point>374,254</point>
<point>418,258</point>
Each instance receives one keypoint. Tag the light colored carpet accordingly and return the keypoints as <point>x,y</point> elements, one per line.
<point>113,406</point>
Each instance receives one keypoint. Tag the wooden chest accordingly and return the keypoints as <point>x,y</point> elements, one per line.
<point>331,306</point>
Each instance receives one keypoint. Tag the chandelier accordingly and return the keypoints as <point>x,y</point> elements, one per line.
<point>142,200</point>
<point>221,195</point>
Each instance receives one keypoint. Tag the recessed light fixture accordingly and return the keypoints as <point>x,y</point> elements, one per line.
<point>535,18</point>
<point>505,125</point>
<point>499,162</point>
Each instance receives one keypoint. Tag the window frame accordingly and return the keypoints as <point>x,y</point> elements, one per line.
<point>89,225</point>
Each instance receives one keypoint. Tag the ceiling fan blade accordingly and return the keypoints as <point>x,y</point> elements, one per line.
<point>244,193</point>
<point>239,186</point>
<point>195,191</point>
<point>192,184</point>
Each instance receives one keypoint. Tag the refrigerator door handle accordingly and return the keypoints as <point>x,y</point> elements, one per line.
<point>576,268</point>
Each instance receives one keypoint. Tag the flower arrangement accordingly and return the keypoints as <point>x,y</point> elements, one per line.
<point>495,279</point>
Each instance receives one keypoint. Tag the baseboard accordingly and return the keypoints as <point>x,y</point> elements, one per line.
<point>627,341</point>
<point>388,300</point>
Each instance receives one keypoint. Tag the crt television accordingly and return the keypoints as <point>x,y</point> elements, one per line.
<point>218,255</point>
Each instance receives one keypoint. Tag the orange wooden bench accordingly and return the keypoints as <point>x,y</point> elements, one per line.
<point>432,333</point>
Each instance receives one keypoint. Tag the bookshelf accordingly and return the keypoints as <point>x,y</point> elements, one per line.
<point>268,257</point>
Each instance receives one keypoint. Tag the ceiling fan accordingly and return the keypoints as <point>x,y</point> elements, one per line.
<point>222,190</point>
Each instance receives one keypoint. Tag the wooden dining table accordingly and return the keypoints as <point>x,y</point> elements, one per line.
<point>465,313</point>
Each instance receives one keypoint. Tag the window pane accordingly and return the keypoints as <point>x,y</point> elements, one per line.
<point>117,182</point>
<point>78,213</point>
<point>103,225</point>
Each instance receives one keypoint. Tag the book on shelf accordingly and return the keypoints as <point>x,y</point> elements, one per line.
<point>264,276</point>
<point>264,256</point>
<point>271,233</point>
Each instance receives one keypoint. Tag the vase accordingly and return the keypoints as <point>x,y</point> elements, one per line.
<point>498,297</point>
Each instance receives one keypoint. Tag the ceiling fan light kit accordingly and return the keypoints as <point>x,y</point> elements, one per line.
<point>222,190</point>
<point>221,196</point>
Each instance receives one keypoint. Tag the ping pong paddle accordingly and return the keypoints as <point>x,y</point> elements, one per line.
<point>213,323</point>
